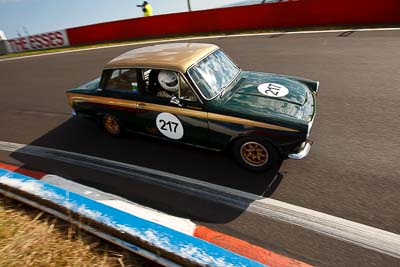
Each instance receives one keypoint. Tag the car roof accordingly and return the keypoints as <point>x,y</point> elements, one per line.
<point>175,56</point>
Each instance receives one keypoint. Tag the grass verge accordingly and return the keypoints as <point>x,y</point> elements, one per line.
<point>30,237</point>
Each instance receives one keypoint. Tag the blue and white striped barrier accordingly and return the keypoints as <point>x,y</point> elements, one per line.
<point>174,248</point>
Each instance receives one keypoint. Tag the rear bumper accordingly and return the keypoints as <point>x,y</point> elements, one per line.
<point>303,152</point>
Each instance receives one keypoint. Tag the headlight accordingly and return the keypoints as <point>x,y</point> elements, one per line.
<point>309,128</point>
<point>317,88</point>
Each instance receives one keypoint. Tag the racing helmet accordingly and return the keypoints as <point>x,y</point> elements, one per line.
<point>168,80</point>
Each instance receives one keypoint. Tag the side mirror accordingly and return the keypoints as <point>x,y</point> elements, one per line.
<point>99,90</point>
<point>175,100</point>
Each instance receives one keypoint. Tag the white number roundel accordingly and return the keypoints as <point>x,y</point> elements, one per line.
<point>169,125</point>
<point>273,89</point>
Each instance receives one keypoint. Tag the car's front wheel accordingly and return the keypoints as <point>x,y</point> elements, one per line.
<point>255,154</point>
<point>111,125</point>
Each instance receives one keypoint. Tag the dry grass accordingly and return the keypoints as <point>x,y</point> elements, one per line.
<point>29,237</point>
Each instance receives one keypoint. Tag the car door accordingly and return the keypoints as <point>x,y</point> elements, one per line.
<point>180,117</point>
<point>119,92</point>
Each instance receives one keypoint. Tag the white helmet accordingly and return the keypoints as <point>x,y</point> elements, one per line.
<point>168,80</point>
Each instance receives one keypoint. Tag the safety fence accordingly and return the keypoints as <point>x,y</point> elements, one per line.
<point>288,14</point>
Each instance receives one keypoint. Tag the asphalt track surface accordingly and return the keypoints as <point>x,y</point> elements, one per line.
<point>352,171</point>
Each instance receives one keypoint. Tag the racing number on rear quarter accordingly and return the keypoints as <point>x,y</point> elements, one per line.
<point>169,125</point>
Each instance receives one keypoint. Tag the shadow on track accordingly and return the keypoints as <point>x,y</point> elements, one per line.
<point>82,136</point>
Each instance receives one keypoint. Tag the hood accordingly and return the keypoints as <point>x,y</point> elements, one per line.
<point>263,94</point>
<point>271,87</point>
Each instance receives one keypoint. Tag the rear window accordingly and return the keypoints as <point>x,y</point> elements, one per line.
<point>121,80</point>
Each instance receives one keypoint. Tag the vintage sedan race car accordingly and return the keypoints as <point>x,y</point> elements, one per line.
<point>195,94</point>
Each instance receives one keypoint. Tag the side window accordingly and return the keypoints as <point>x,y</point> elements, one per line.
<point>185,91</point>
<point>160,83</point>
<point>164,84</point>
<point>123,80</point>
<point>150,81</point>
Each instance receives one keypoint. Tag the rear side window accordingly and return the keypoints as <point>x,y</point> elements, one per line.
<point>122,80</point>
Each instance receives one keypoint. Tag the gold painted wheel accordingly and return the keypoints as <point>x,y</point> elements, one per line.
<point>254,154</point>
<point>111,125</point>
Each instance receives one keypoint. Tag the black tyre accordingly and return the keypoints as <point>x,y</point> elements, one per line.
<point>255,154</point>
<point>111,125</point>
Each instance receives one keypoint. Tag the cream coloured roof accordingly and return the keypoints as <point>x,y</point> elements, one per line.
<point>175,56</point>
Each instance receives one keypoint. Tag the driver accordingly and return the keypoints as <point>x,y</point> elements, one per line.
<point>169,83</point>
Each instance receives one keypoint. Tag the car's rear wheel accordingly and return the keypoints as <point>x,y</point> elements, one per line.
<point>255,154</point>
<point>112,125</point>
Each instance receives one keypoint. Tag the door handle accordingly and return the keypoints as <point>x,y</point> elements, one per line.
<point>140,105</point>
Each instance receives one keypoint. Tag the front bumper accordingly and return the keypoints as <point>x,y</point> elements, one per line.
<point>303,152</point>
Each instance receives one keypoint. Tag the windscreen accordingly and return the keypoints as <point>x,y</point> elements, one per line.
<point>213,73</point>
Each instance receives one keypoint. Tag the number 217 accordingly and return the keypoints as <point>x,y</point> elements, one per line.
<point>170,124</point>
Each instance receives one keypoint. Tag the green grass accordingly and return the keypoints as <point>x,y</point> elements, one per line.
<point>29,237</point>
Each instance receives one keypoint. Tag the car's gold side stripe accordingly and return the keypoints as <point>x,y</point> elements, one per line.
<point>101,100</point>
<point>175,110</point>
<point>135,104</point>
<point>219,117</point>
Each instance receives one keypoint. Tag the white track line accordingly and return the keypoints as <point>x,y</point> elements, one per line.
<point>355,233</point>
<point>201,38</point>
